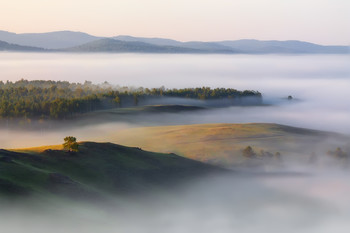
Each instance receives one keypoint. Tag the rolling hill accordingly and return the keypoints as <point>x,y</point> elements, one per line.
<point>223,144</point>
<point>96,171</point>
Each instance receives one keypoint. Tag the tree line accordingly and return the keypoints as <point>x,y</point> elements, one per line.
<point>61,99</point>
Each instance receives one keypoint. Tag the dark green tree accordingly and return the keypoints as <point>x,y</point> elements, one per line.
<point>70,144</point>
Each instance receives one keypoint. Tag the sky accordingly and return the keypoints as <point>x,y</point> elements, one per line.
<point>319,21</point>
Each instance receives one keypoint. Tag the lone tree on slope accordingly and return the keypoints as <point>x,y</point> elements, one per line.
<point>70,144</point>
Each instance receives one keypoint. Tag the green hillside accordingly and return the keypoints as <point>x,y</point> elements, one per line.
<point>96,171</point>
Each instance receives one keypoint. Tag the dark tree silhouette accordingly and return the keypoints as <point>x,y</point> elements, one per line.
<point>249,152</point>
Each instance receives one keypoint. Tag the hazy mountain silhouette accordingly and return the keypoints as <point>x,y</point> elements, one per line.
<point>4,46</point>
<point>156,41</point>
<point>49,40</point>
<point>290,46</point>
<point>208,46</point>
<point>82,42</point>
<point>246,46</point>
<point>111,45</point>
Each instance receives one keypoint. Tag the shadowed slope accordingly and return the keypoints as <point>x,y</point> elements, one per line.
<point>96,170</point>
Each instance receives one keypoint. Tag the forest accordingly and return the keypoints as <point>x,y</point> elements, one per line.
<point>40,99</point>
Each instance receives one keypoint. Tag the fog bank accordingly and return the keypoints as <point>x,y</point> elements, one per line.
<point>315,202</point>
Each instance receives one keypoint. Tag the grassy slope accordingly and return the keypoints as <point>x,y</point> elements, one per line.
<point>96,170</point>
<point>222,144</point>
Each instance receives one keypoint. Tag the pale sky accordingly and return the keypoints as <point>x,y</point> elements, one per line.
<point>318,21</point>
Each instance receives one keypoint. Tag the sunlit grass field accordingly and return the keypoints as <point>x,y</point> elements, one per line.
<point>222,144</point>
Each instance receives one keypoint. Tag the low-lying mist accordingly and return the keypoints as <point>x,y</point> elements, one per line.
<point>306,202</point>
<point>318,84</point>
<point>294,197</point>
<point>319,114</point>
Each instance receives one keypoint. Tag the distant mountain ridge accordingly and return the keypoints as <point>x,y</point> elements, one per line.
<point>68,41</point>
<point>209,46</point>
<point>289,46</point>
<point>112,45</point>
<point>49,40</point>
<point>4,46</point>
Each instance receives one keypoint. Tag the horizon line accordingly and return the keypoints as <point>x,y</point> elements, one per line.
<point>160,37</point>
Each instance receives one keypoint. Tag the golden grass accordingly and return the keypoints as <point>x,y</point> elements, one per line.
<point>38,149</point>
<point>215,143</point>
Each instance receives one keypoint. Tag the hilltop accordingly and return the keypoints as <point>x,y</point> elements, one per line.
<point>223,144</point>
<point>96,171</point>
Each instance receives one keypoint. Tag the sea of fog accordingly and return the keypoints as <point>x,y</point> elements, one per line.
<point>319,84</point>
<point>316,201</point>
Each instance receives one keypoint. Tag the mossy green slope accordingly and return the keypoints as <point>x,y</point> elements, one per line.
<point>96,170</point>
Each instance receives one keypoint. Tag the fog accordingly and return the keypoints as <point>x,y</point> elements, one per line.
<point>305,203</point>
<point>270,74</point>
<point>318,83</point>
<point>314,200</point>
